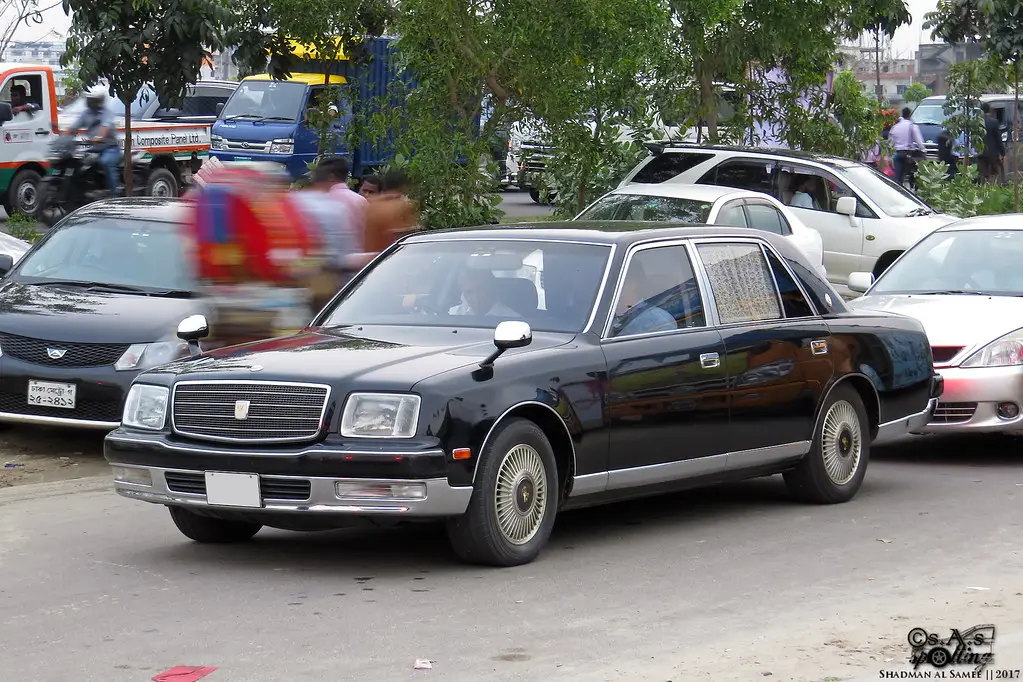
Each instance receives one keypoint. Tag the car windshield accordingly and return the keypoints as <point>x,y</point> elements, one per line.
<point>644,207</point>
<point>112,252</point>
<point>895,201</point>
<point>964,261</point>
<point>478,283</point>
<point>929,113</point>
<point>265,100</point>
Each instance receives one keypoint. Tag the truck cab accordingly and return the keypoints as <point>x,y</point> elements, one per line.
<point>266,120</point>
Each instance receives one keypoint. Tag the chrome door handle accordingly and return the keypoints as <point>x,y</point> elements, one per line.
<point>710,360</point>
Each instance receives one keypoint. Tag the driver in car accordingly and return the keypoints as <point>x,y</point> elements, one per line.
<point>479,295</point>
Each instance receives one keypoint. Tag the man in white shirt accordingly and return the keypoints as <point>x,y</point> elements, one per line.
<point>479,296</point>
<point>905,137</point>
<point>802,197</point>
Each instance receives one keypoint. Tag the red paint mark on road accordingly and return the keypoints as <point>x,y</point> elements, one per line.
<point>184,673</point>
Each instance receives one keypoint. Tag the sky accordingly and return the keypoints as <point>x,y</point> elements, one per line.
<point>903,45</point>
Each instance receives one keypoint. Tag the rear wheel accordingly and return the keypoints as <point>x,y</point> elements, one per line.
<point>161,183</point>
<point>833,470</point>
<point>50,210</point>
<point>515,500</point>
<point>209,530</point>
<point>23,195</point>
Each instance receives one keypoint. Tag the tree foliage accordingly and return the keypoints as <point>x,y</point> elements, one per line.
<point>129,43</point>
<point>917,92</point>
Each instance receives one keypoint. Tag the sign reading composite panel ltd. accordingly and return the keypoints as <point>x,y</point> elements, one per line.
<point>186,137</point>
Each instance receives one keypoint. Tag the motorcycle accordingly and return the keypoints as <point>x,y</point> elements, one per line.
<point>76,178</point>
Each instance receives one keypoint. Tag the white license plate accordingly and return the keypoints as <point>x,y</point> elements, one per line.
<point>232,490</point>
<point>52,394</point>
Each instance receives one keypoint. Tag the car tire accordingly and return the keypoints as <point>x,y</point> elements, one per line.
<point>514,501</point>
<point>534,194</point>
<point>162,183</point>
<point>833,471</point>
<point>23,194</point>
<point>208,530</point>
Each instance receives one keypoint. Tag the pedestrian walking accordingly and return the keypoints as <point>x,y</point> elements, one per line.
<point>370,186</point>
<point>908,143</point>
<point>991,161</point>
<point>391,214</point>
<point>947,153</point>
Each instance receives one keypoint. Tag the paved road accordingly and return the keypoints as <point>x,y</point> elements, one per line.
<point>517,204</point>
<point>734,583</point>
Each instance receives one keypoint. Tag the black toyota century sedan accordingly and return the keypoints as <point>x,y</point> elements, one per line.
<point>492,377</point>
<point>97,300</point>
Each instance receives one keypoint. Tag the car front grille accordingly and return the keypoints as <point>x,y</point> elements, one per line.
<point>276,411</point>
<point>59,353</point>
<point>953,413</point>
<point>943,354</point>
<point>270,488</point>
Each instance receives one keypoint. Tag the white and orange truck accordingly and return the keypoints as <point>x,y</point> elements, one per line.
<point>169,152</point>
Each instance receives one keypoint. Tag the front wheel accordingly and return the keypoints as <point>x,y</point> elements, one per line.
<point>161,183</point>
<point>51,209</point>
<point>833,470</point>
<point>512,509</point>
<point>206,529</point>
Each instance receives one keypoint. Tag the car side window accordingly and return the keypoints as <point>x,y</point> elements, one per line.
<point>667,166</point>
<point>741,281</point>
<point>659,293</point>
<point>732,215</point>
<point>792,300</point>
<point>767,218</point>
<point>817,190</point>
<point>749,174</point>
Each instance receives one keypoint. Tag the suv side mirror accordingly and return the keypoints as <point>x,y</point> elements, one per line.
<point>846,206</point>
<point>6,263</point>
<point>191,329</point>
<point>860,281</point>
<point>220,107</point>
<point>6,112</point>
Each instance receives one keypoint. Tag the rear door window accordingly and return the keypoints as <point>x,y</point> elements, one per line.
<point>767,218</point>
<point>668,166</point>
<point>741,281</point>
<point>746,174</point>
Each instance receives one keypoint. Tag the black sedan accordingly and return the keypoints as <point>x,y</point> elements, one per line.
<point>492,377</point>
<point>97,300</point>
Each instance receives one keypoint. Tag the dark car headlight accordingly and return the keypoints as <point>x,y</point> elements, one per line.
<point>149,355</point>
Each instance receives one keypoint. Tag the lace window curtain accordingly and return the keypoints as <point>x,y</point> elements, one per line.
<point>743,286</point>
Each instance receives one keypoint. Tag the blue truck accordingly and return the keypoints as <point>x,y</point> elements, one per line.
<point>265,119</point>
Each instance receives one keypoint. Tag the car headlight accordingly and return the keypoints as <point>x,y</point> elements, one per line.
<point>282,146</point>
<point>380,415</point>
<point>1004,352</point>
<point>216,142</point>
<point>146,407</point>
<point>148,355</point>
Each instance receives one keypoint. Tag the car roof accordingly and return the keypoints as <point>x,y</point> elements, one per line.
<point>987,97</point>
<point>134,208</point>
<point>684,191</point>
<point>657,148</point>
<point>1006,221</point>
<point>607,232</point>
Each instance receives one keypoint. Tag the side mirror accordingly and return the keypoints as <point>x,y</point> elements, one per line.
<point>220,107</point>
<point>846,206</point>
<point>6,112</point>
<point>510,334</point>
<point>6,263</point>
<point>191,329</point>
<point>860,281</point>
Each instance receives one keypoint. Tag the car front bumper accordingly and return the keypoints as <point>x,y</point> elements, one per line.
<point>971,399</point>
<point>100,393</point>
<point>154,469</point>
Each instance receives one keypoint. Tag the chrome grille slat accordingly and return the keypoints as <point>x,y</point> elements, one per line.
<point>206,410</point>
<point>952,413</point>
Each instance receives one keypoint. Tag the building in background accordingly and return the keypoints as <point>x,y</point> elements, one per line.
<point>871,62</point>
<point>933,60</point>
<point>47,53</point>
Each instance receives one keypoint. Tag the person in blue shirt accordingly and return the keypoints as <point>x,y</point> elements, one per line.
<point>98,124</point>
<point>635,314</point>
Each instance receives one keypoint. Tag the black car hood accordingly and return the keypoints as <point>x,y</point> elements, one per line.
<point>387,357</point>
<point>72,314</point>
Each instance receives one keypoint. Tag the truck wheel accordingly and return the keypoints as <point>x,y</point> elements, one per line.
<point>833,470</point>
<point>23,195</point>
<point>512,509</point>
<point>207,529</point>
<point>161,183</point>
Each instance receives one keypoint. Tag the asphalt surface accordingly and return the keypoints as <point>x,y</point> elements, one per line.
<point>729,583</point>
<point>516,204</point>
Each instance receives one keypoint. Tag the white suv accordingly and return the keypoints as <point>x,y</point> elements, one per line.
<point>865,220</point>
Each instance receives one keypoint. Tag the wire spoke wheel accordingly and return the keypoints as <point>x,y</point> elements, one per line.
<point>520,496</point>
<point>841,442</point>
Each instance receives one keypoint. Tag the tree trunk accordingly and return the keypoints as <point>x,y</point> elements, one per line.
<point>877,65</point>
<point>708,104</point>
<point>129,175</point>
<point>1014,142</point>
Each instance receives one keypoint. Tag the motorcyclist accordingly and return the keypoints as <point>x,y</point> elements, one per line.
<point>98,124</point>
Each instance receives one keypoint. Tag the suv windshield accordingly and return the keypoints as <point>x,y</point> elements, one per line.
<point>894,200</point>
<point>960,261</point>
<point>929,113</point>
<point>643,207</point>
<point>478,283</point>
<point>265,100</point>
<point>110,251</point>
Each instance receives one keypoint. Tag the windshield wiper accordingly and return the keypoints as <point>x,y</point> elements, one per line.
<point>919,211</point>
<point>237,116</point>
<point>105,286</point>
<point>261,119</point>
<point>950,292</point>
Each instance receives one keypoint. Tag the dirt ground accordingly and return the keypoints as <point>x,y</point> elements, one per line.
<point>40,455</point>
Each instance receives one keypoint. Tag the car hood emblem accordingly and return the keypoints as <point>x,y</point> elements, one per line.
<point>241,409</point>
<point>56,353</point>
